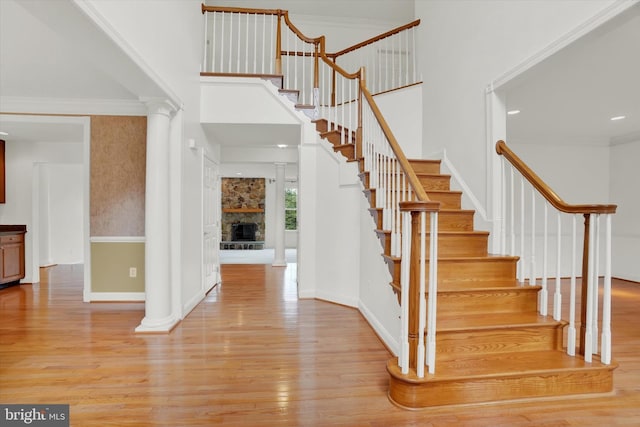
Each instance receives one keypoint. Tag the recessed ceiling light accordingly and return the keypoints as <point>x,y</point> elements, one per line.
<point>238,173</point>
<point>282,145</point>
<point>4,133</point>
<point>613,119</point>
<point>513,112</point>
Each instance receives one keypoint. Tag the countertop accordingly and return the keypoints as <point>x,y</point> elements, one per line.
<point>12,229</point>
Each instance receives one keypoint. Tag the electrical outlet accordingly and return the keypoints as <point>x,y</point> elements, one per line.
<point>133,272</point>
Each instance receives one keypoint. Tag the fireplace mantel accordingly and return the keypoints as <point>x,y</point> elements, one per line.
<point>242,210</point>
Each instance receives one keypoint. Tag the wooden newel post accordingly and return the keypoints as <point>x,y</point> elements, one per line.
<point>585,284</point>
<point>279,44</point>
<point>414,290</point>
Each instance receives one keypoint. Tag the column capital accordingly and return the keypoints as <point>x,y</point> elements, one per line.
<point>161,106</point>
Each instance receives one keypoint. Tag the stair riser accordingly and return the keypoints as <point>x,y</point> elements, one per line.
<point>454,271</point>
<point>466,245</point>
<point>496,388</point>
<point>447,200</point>
<point>425,166</point>
<point>452,344</point>
<point>460,220</point>
<point>435,182</point>
<point>507,300</point>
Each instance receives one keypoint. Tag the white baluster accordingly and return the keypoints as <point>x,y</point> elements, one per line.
<point>271,54</point>
<point>222,42</point>
<point>255,44</point>
<point>588,339</point>
<point>239,40</point>
<point>406,69</point>
<point>605,353</point>
<point>204,67</point>
<point>521,262</point>
<point>571,331</point>
<point>532,272</point>
<point>433,292</point>
<point>596,281</point>
<point>403,359</point>
<point>503,206</point>
<point>413,56</point>
<point>557,297</point>
<point>246,45</point>
<point>230,42</point>
<point>422,309</point>
<point>512,207</point>
<point>543,292</point>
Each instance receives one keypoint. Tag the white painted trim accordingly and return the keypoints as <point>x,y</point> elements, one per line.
<point>386,336</point>
<point>337,299</point>
<point>117,239</point>
<point>193,303</point>
<point>586,27</point>
<point>119,107</point>
<point>466,190</point>
<point>116,297</point>
<point>86,206</point>
<point>96,17</point>
<point>298,116</point>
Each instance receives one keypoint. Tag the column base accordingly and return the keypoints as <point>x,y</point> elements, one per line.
<point>279,264</point>
<point>157,325</point>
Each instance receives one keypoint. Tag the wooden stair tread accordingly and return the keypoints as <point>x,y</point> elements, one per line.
<point>493,321</point>
<point>305,106</point>
<point>445,232</point>
<point>513,364</point>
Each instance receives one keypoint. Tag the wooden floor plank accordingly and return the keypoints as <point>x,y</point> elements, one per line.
<point>251,354</point>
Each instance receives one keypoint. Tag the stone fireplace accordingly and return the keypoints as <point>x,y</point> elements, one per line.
<point>243,212</point>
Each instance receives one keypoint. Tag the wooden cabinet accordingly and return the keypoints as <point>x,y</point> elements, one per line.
<point>11,257</point>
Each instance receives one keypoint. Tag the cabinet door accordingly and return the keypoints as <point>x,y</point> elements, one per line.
<point>12,262</point>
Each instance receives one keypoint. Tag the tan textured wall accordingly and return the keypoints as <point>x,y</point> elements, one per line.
<point>110,264</point>
<point>118,159</point>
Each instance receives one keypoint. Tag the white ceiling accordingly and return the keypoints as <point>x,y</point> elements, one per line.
<point>395,12</point>
<point>572,95</point>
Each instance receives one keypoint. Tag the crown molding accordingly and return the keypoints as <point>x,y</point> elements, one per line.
<point>75,106</point>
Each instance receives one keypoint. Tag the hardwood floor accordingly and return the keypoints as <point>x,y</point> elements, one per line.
<point>251,354</point>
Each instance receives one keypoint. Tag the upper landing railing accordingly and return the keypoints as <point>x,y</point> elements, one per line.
<point>255,42</point>
<point>526,202</point>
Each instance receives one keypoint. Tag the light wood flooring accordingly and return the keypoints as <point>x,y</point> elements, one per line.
<point>251,354</point>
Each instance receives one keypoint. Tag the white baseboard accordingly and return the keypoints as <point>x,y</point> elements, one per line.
<point>116,297</point>
<point>389,340</point>
<point>338,299</point>
<point>191,304</point>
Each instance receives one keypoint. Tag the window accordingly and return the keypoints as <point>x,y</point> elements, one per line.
<point>291,209</point>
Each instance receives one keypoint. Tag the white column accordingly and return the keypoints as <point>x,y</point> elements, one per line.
<point>279,259</point>
<point>158,307</point>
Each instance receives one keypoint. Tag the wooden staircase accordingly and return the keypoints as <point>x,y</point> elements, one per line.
<point>492,345</point>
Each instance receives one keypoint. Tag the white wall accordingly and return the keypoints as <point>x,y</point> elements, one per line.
<point>625,176</point>
<point>555,163</point>
<point>66,213</point>
<point>22,180</point>
<point>167,38</point>
<point>329,214</point>
<point>402,109</point>
<point>463,46</point>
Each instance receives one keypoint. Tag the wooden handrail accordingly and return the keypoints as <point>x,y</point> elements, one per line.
<point>545,190</point>
<point>206,8</point>
<point>298,32</point>
<point>421,194</point>
<point>376,38</point>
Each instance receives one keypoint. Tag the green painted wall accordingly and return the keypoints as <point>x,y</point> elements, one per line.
<point>110,265</point>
